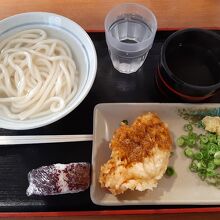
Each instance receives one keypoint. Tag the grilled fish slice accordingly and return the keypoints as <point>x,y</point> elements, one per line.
<point>59,179</point>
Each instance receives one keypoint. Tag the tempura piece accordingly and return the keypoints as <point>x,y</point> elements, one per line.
<point>140,155</point>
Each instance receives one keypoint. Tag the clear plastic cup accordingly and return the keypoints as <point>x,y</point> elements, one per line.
<point>129,30</point>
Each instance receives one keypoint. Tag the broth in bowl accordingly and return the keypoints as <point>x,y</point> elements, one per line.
<point>189,60</point>
<point>190,64</point>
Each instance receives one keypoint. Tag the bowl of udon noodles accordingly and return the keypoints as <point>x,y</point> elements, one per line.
<point>48,65</point>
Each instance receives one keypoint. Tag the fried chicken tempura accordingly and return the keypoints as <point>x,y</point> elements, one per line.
<point>140,155</point>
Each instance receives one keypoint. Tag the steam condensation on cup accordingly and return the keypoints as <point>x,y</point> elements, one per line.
<point>130,30</point>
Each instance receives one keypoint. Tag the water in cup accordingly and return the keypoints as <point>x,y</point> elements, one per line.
<point>130,30</point>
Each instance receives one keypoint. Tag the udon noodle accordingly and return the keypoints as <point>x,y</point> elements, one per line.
<point>38,75</point>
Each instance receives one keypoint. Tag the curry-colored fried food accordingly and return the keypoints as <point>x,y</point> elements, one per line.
<point>140,155</point>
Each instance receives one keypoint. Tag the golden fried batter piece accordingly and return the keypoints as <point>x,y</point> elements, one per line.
<point>140,155</point>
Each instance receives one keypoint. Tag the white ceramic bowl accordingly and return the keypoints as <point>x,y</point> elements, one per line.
<point>83,52</point>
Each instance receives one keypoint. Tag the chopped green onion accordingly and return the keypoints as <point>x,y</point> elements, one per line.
<point>212,138</point>
<point>198,156</point>
<point>202,176</point>
<point>206,155</point>
<point>188,127</point>
<point>125,122</point>
<point>210,173</point>
<point>204,139</point>
<point>212,145</point>
<point>193,166</point>
<point>170,171</point>
<point>217,162</point>
<point>191,142</point>
<point>212,148</point>
<point>218,140</point>
<point>199,124</point>
<point>217,155</point>
<point>180,141</point>
<point>193,135</point>
<point>201,165</point>
<point>211,165</point>
<point>203,145</point>
<point>204,151</point>
<point>188,152</point>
